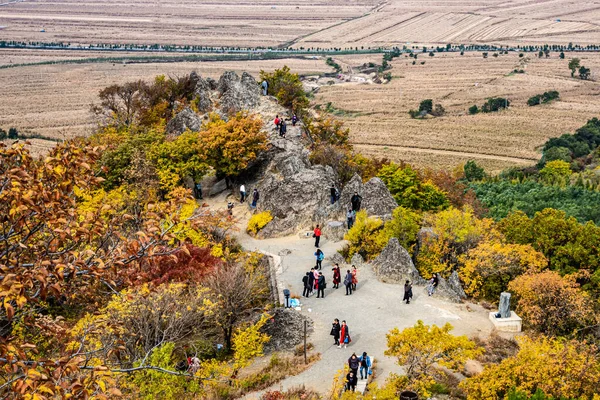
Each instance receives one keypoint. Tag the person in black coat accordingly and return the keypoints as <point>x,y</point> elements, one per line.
<point>335,331</point>
<point>351,381</point>
<point>321,286</point>
<point>407,292</point>
<point>311,280</point>
<point>348,282</point>
<point>356,200</point>
<point>306,282</point>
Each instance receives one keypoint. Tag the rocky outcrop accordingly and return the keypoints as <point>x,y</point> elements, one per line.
<point>450,289</point>
<point>202,92</point>
<point>286,329</point>
<point>335,230</point>
<point>186,119</point>
<point>376,198</point>
<point>357,260</point>
<point>237,94</point>
<point>296,192</point>
<point>394,265</point>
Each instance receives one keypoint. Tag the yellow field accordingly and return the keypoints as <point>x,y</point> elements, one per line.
<point>377,115</point>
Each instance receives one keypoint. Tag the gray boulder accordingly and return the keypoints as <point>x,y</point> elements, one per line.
<point>450,289</point>
<point>357,260</point>
<point>186,119</point>
<point>286,329</point>
<point>237,94</point>
<point>395,265</point>
<point>202,92</point>
<point>334,230</point>
<point>336,258</point>
<point>376,198</point>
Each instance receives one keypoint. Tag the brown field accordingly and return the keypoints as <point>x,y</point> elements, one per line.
<point>185,22</point>
<point>54,100</point>
<point>377,115</point>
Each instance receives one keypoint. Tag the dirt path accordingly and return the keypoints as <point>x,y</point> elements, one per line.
<point>520,160</point>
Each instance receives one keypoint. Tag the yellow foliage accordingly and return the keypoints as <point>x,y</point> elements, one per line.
<point>259,221</point>
<point>562,369</point>
<point>108,204</point>
<point>248,343</point>
<point>454,233</point>
<point>487,269</point>
<point>363,237</point>
<point>421,348</point>
<point>556,172</point>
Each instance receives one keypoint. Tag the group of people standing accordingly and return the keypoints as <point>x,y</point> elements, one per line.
<point>354,363</point>
<point>255,195</point>
<point>281,124</point>
<point>315,280</point>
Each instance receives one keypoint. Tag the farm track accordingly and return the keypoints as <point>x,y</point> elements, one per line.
<point>463,154</point>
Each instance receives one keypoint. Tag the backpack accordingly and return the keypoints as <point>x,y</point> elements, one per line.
<point>321,256</point>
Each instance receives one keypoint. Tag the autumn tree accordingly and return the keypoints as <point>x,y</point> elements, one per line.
<point>573,66</point>
<point>552,304</point>
<point>327,130</point>
<point>119,103</point>
<point>562,369</point>
<point>287,87</point>
<point>363,237</point>
<point>556,172</point>
<point>487,269</point>
<point>422,349</point>
<point>231,146</point>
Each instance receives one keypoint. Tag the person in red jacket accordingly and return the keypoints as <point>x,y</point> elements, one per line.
<point>344,335</point>
<point>317,235</point>
<point>277,122</point>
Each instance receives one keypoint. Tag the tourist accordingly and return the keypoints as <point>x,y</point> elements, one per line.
<point>242,193</point>
<point>332,194</point>
<point>282,128</point>
<point>194,365</point>
<point>198,190</point>
<point>317,235</point>
<point>255,197</point>
<point>265,87</point>
<point>351,381</point>
<point>230,208</point>
<point>277,122</point>
<point>311,280</point>
<point>354,273</point>
<point>365,365</point>
<point>320,257</point>
<point>294,120</point>
<point>348,282</point>
<point>356,201</point>
<point>433,284</point>
<point>344,335</point>
<point>307,285</point>
<point>316,277</point>
<point>335,331</point>
<point>350,217</point>
<point>321,286</point>
<point>337,276</point>
<point>407,292</point>
<point>353,363</point>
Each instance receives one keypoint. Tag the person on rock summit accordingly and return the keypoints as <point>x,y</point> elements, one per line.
<point>356,200</point>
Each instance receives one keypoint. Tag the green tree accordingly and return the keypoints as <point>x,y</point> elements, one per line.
<point>473,109</point>
<point>13,133</point>
<point>574,65</point>
<point>556,172</point>
<point>426,106</point>
<point>404,226</point>
<point>561,55</point>
<point>557,153</point>
<point>473,172</point>
<point>410,190</point>
<point>3,134</point>
<point>584,73</point>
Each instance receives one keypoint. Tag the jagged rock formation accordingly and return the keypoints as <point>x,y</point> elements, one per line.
<point>376,198</point>
<point>202,92</point>
<point>335,230</point>
<point>237,94</point>
<point>186,119</point>
<point>357,260</point>
<point>394,265</point>
<point>450,289</point>
<point>286,329</point>
<point>296,192</point>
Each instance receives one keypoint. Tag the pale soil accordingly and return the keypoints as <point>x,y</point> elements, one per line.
<point>371,312</point>
<point>377,115</point>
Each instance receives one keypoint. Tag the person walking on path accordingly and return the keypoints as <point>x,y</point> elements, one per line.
<point>311,280</point>
<point>350,218</point>
<point>306,283</point>
<point>353,363</point>
<point>365,365</point>
<point>321,286</point>
<point>337,276</point>
<point>344,335</point>
<point>255,197</point>
<point>356,200</point>
<point>294,120</point>
<point>282,128</point>
<point>351,381</point>
<point>242,193</point>
<point>348,282</point>
<point>407,292</point>
<point>335,331</point>
<point>354,273</point>
<point>433,284</point>
<point>320,257</point>
<point>317,235</point>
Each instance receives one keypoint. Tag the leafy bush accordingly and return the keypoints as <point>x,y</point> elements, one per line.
<point>410,190</point>
<point>584,141</point>
<point>473,109</point>
<point>546,97</point>
<point>259,221</point>
<point>556,172</point>
<point>363,238</point>
<point>552,304</point>
<point>473,172</point>
<point>287,87</point>
<point>495,104</point>
<point>404,226</point>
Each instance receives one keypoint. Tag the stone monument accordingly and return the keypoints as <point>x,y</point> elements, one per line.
<point>505,320</point>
